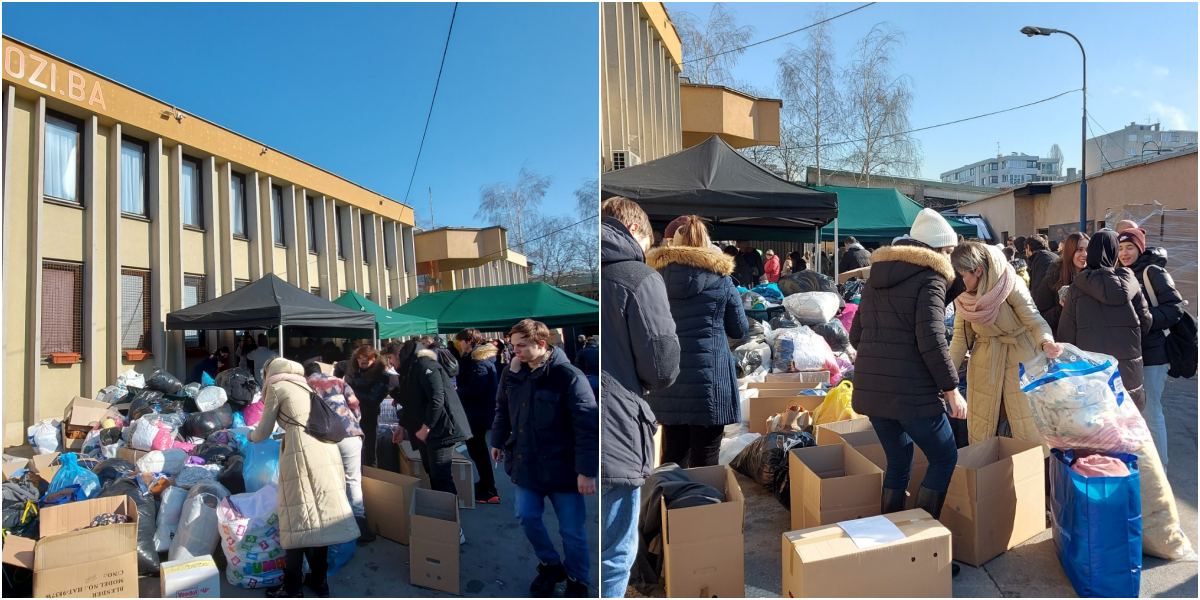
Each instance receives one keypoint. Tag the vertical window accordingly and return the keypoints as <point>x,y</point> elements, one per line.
<point>190,194</point>
<point>312,225</point>
<point>240,283</point>
<point>237,203</point>
<point>195,291</point>
<point>63,165</point>
<point>316,291</point>
<point>337,232</point>
<point>365,223</point>
<point>391,303</point>
<point>62,307</point>
<point>133,177</point>
<point>277,215</point>
<point>135,309</point>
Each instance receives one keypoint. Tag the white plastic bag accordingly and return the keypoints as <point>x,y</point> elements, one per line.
<point>249,531</point>
<point>211,398</point>
<point>197,534</point>
<point>43,436</point>
<point>732,446</point>
<point>800,349</point>
<point>812,308</point>
<point>131,378</point>
<point>169,512</point>
<point>111,394</point>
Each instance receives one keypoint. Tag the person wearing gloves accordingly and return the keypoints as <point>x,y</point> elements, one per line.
<point>1166,308</point>
<point>904,378</point>
<point>708,313</point>
<point>1106,312</point>
<point>312,506</point>
<point>431,413</point>
<point>997,322</point>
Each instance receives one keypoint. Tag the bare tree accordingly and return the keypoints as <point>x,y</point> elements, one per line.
<point>718,43</point>
<point>553,248</point>
<point>510,205</point>
<point>586,234</point>
<point>877,105</point>
<point>810,96</point>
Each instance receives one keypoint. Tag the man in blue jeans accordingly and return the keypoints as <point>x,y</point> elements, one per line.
<point>546,429</point>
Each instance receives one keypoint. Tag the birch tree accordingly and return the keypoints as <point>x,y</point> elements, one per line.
<point>876,111</point>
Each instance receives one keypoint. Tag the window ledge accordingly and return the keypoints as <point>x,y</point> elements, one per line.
<point>241,238</point>
<point>313,253</point>
<point>60,202</point>
<point>280,246</point>
<point>135,217</point>
<point>194,228</point>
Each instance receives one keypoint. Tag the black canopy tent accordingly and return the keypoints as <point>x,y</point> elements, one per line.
<point>271,303</point>
<point>742,199</point>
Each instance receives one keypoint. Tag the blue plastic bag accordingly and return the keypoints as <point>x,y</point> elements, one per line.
<point>1098,527</point>
<point>770,291</point>
<point>206,379</point>
<point>339,555</point>
<point>71,473</point>
<point>262,465</point>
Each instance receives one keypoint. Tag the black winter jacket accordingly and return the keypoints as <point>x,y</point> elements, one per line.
<point>478,378</point>
<point>1166,314</point>
<point>855,257</point>
<point>1039,266</point>
<point>640,350</point>
<point>369,386</point>
<point>708,313</point>
<point>749,268</point>
<point>1045,294</point>
<point>903,362</point>
<point>588,360</point>
<point>427,398</point>
<point>547,426</point>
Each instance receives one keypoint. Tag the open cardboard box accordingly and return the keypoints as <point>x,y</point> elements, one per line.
<point>761,408</point>
<point>12,464</point>
<point>821,377</point>
<point>703,546</point>
<point>996,499</point>
<point>825,562</point>
<point>433,548</point>
<point>830,484</point>
<point>464,480</point>
<point>78,419</point>
<point>861,273</point>
<point>410,462</point>
<point>859,434</point>
<point>99,561</point>
<point>45,466</point>
<point>387,498</point>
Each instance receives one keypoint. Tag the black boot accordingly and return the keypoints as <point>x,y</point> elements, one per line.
<point>576,589</point>
<point>931,501</point>
<point>892,501</point>
<point>365,534</point>
<point>547,580</point>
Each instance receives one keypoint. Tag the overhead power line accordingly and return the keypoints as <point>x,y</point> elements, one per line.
<point>782,35</point>
<point>432,100</point>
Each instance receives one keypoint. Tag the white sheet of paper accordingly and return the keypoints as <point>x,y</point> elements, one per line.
<point>871,531</point>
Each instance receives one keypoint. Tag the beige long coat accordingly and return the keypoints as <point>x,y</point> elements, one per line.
<point>996,352</point>
<point>312,506</point>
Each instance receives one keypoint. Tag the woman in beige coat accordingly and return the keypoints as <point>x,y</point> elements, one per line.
<point>312,506</point>
<point>997,321</point>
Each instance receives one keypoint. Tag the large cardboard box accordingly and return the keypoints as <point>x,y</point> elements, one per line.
<point>78,418</point>
<point>464,480</point>
<point>821,377</point>
<point>433,550</point>
<point>703,552</point>
<point>861,435</point>
<point>830,484</point>
<point>98,561</point>
<point>45,466</point>
<point>189,578</point>
<point>997,498</point>
<point>12,464</point>
<point>18,551</point>
<point>825,562</point>
<point>387,498</point>
<point>410,462</point>
<point>763,407</point>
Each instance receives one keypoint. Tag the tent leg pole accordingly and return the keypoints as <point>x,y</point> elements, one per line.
<point>835,247</point>
<point>281,341</point>
<point>816,255</point>
<point>375,334</point>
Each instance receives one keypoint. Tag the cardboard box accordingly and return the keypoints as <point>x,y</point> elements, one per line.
<point>78,419</point>
<point>18,551</point>
<point>821,377</point>
<point>433,549</point>
<point>657,461</point>
<point>703,552</point>
<point>997,498</point>
<point>93,562</point>
<point>189,578</point>
<point>830,484</point>
<point>12,464</point>
<point>410,462</point>
<point>387,498</point>
<point>862,273</point>
<point>763,407</point>
<point>45,466</point>
<point>859,434</point>
<point>130,454</point>
<point>464,480</point>
<point>825,562</point>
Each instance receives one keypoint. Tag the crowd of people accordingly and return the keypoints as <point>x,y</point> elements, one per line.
<point>933,306</point>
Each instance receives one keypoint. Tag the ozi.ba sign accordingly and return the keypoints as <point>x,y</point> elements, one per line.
<point>52,77</point>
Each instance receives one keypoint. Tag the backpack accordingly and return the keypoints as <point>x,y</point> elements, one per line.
<point>323,423</point>
<point>1181,340</point>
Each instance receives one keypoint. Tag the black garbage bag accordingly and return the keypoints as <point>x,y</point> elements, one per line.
<point>806,281</point>
<point>750,357</point>
<point>239,385</point>
<point>147,508</point>
<point>852,288</point>
<point>765,460</point>
<point>111,435</point>
<point>231,475</point>
<point>145,402</point>
<point>834,333</point>
<point>113,469</point>
<point>387,452</point>
<point>215,453</point>
<point>164,382</point>
<point>203,424</point>
<point>754,332</point>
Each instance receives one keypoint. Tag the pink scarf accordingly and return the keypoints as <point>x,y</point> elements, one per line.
<point>983,310</point>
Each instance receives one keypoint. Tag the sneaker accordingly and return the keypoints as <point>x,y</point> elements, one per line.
<point>547,580</point>
<point>576,589</point>
<point>488,499</point>
<point>462,537</point>
<point>321,590</point>
<point>279,592</point>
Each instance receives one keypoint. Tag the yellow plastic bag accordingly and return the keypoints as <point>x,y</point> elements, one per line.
<point>836,406</point>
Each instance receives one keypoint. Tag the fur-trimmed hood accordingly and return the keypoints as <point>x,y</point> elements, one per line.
<point>484,352</point>
<point>427,353</point>
<point>890,265</point>
<point>709,259</point>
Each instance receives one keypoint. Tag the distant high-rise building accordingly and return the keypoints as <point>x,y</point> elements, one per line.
<point>1131,144</point>
<point>1006,171</point>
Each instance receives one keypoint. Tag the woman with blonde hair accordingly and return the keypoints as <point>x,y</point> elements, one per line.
<point>708,313</point>
<point>995,319</point>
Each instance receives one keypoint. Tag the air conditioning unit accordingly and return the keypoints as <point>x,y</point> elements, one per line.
<point>624,158</point>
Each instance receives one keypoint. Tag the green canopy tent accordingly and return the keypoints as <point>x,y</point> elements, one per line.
<point>498,308</point>
<point>878,215</point>
<point>390,324</point>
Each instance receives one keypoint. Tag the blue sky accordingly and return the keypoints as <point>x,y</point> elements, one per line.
<point>965,59</point>
<point>347,86</point>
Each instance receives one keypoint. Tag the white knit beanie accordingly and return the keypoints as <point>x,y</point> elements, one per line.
<point>931,229</point>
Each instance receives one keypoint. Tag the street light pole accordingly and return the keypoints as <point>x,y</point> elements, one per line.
<point>1032,31</point>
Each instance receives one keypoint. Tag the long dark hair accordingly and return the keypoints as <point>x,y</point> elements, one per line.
<point>1067,271</point>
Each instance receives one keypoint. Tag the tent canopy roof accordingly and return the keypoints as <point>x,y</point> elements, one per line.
<point>498,308</point>
<point>878,214</point>
<point>268,303</point>
<point>391,324</point>
<point>715,182</point>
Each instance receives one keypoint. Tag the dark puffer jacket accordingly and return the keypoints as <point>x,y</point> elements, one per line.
<point>1166,314</point>
<point>547,425</point>
<point>708,313</point>
<point>855,257</point>
<point>429,399</point>
<point>477,380</point>
<point>1040,265</point>
<point>640,353</point>
<point>903,362</point>
<point>1045,294</point>
<point>748,270</point>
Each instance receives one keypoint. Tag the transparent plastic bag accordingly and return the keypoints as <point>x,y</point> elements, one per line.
<point>812,308</point>
<point>732,446</point>
<point>43,436</point>
<point>197,534</point>
<point>799,349</point>
<point>1078,402</point>
<point>262,464</point>
<point>169,511</point>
